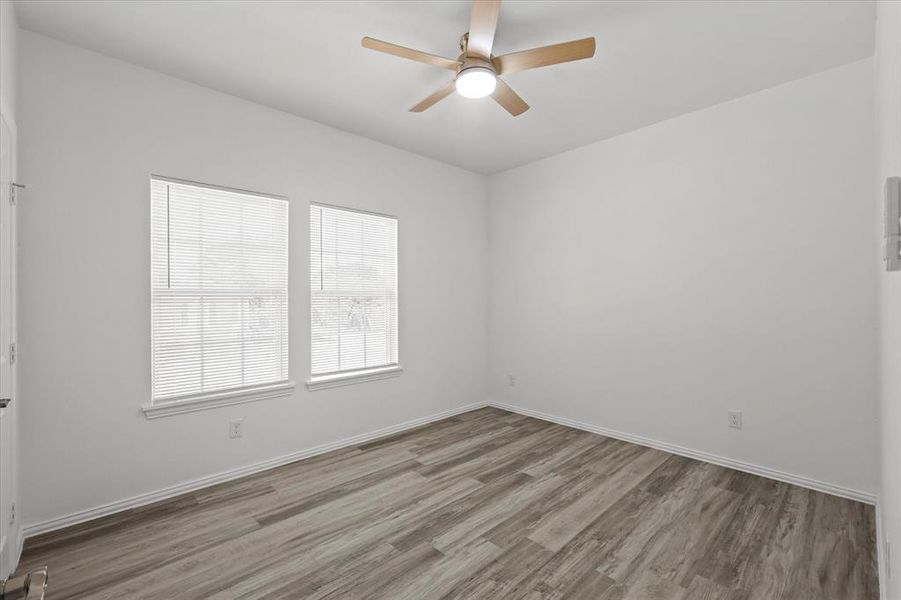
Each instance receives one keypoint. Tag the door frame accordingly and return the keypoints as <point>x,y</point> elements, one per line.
<point>9,557</point>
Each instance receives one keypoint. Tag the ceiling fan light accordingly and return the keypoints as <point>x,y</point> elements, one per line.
<point>476,82</point>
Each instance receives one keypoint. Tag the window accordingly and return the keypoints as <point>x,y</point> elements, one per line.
<point>219,294</point>
<point>353,282</point>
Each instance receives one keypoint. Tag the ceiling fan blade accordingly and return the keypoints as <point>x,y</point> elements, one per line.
<point>409,53</point>
<point>509,99</point>
<point>440,94</point>
<point>544,56</point>
<point>482,24</point>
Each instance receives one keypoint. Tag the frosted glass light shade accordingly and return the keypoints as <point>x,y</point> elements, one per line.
<point>476,82</point>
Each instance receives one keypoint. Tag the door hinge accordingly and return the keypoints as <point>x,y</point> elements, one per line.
<point>12,353</point>
<point>14,191</point>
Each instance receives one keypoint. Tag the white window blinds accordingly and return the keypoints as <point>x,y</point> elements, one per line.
<point>219,290</point>
<point>353,279</point>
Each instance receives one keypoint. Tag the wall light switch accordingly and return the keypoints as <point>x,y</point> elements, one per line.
<point>892,218</point>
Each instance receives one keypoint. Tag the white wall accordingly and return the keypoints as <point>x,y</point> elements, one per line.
<point>92,132</point>
<point>720,260</point>
<point>888,162</point>
<point>9,33</point>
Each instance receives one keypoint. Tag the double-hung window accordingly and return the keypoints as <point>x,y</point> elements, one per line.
<point>219,296</point>
<point>353,281</point>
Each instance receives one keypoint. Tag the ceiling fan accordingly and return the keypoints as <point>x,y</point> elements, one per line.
<point>477,70</point>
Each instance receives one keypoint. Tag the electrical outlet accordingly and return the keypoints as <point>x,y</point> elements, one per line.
<point>511,380</point>
<point>735,419</point>
<point>236,428</point>
<point>12,513</point>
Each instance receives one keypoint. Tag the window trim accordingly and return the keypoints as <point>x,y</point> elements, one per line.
<point>218,188</point>
<point>188,403</point>
<point>204,401</point>
<point>324,381</point>
<point>356,210</point>
<point>342,378</point>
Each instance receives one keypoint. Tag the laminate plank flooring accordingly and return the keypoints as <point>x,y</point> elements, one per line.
<point>487,504</point>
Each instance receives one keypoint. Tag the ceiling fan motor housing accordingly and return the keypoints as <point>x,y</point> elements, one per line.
<point>474,62</point>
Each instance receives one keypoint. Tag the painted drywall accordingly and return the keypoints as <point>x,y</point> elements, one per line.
<point>720,260</point>
<point>92,132</point>
<point>888,163</point>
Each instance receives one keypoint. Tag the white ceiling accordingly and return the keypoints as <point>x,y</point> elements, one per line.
<point>655,60</point>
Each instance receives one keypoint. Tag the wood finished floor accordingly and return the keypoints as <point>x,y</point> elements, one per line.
<point>487,504</point>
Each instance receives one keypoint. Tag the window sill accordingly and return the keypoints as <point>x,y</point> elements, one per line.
<point>217,399</point>
<point>323,382</point>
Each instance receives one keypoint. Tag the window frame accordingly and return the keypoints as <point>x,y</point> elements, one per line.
<point>187,403</point>
<point>362,375</point>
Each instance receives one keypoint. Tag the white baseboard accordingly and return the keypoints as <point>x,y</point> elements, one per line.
<point>15,541</point>
<point>20,545</point>
<point>880,555</point>
<point>799,480</point>
<point>202,482</point>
